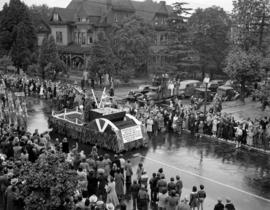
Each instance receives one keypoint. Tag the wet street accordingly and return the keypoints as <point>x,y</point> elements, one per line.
<point>225,172</point>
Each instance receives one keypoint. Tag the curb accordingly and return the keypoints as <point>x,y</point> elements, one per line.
<point>246,147</point>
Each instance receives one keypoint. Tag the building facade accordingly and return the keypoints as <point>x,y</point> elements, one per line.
<point>75,27</point>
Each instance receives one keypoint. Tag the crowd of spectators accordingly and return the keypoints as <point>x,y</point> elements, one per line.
<point>104,182</point>
<point>177,117</point>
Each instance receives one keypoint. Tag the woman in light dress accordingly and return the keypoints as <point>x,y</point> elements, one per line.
<point>111,193</point>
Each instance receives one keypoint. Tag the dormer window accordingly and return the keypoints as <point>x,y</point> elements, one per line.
<point>55,17</point>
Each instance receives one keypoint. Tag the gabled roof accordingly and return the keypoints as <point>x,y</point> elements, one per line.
<point>86,8</point>
<point>66,15</point>
<point>163,9</point>
<point>41,26</point>
<point>148,9</point>
<point>125,5</point>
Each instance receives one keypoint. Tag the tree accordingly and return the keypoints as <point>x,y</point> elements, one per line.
<point>20,52</point>
<point>16,24</point>
<point>43,10</point>
<point>5,61</point>
<point>49,59</point>
<point>102,59</point>
<point>209,32</point>
<point>243,66</point>
<point>131,41</point>
<point>48,182</point>
<point>178,47</point>
<point>250,22</point>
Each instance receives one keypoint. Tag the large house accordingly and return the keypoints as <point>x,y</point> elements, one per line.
<point>75,27</point>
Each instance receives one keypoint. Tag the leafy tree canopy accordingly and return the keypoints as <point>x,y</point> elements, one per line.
<point>209,32</point>
<point>243,66</point>
<point>102,58</point>
<point>48,182</point>
<point>131,41</point>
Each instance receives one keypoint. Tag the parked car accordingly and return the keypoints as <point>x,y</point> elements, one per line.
<point>227,93</point>
<point>213,85</point>
<point>187,88</point>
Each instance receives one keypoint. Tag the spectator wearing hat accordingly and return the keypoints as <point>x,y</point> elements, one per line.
<point>178,186</point>
<point>135,187</point>
<point>143,198</point>
<point>219,205</point>
<point>229,205</point>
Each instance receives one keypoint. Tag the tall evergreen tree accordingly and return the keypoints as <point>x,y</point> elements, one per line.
<point>15,21</point>
<point>20,53</point>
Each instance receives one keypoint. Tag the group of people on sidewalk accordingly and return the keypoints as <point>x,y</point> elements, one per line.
<point>178,117</point>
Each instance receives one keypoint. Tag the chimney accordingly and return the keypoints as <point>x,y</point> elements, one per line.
<point>109,4</point>
<point>162,3</point>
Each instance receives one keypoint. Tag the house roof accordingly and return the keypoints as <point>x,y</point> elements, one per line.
<point>125,5</point>
<point>66,15</point>
<point>163,9</point>
<point>148,9</point>
<point>40,24</point>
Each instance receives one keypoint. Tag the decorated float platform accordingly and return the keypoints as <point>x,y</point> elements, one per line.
<point>107,128</point>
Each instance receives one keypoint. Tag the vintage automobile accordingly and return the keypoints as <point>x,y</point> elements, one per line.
<point>213,85</point>
<point>187,88</point>
<point>138,94</point>
<point>227,93</point>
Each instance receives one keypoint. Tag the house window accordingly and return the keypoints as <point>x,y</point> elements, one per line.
<point>59,37</point>
<point>79,37</point>
<point>79,19</point>
<point>75,37</point>
<point>83,38</point>
<point>55,17</point>
<point>90,39</point>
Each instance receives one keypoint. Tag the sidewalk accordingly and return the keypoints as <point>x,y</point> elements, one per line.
<point>242,111</point>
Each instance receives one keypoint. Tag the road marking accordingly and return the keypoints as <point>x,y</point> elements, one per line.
<point>203,177</point>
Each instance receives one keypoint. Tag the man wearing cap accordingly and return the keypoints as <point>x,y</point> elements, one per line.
<point>229,205</point>
<point>219,205</point>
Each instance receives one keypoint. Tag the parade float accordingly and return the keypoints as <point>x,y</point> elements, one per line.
<point>109,128</point>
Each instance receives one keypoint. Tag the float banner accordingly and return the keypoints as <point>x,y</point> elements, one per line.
<point>131,133</point>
